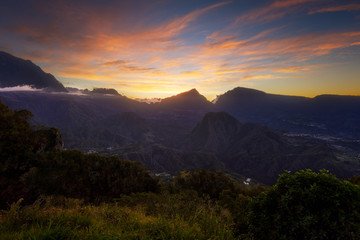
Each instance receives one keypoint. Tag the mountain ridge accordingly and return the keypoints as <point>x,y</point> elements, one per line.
<point>15,71</point>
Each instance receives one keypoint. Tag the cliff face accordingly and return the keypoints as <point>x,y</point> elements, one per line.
<point>215,132</point>
<point>222,133</point>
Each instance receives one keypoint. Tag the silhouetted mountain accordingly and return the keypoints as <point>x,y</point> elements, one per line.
<point>109,91</point>
<point>326,114</point>
<point>214,132</point>
<point>256,106</point>
<point>221,132</point>
<point>15,71</point>
<point>187,100</point>
<point>186,108</point>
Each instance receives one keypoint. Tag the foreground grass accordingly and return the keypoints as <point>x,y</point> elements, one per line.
<point>168,216</point>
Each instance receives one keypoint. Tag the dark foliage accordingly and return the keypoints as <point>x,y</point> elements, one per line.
<point>210,182</point>
<point>32,163</point>
<point>307,205</point>
<point>91,177</point>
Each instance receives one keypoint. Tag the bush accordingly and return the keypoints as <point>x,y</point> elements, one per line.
<point>307,205</point>
<point>205,182</point>
<point>93,177</point>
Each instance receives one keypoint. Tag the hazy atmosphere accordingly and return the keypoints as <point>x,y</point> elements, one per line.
<point>160,48</point>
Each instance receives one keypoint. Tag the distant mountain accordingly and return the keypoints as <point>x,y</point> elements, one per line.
<point>15,71</point>
<point>255,151</point>
<point>222,133</point>
<point>191,99</point>
<point>251,105</point>
<point>109,91</point>
<point>186,108</point>
<point>325,114</point>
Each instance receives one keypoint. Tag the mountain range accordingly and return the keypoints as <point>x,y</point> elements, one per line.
<point>246,131</point>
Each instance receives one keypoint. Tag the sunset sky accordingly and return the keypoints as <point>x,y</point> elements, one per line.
<point>158,48</point>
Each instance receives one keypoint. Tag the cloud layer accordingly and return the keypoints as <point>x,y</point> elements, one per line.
<point>159,48</point>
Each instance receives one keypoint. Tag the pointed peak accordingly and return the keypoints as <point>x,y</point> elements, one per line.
<point>192,92</point>
<point>189,99</point>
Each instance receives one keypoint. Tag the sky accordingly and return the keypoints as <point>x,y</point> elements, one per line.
<point>159,48</point>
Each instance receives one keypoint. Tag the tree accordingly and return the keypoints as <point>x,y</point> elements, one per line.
<point>307,205</point>
<point>205,182</point>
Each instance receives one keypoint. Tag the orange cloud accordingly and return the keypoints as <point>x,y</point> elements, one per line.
<point>347,7</point>
<point>192,74</point>
<point>117,62</point>
<point>123,65</point>
<point>303,46</point>
<point>291,69</point>
<point>262,76</point>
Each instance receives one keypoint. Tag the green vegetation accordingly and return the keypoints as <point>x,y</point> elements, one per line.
<point>304,205</point>
<point>69,219</point>
<point>59,194</point>
<point>307,205</point>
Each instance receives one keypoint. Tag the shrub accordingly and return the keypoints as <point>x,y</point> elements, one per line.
<point>307,205</point>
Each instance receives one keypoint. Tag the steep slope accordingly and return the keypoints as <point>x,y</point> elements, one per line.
<point>215,132</point>
<point>15,71</point>
<point>222,133</point>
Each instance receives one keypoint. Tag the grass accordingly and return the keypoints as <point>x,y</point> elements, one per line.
<point>139,216</point>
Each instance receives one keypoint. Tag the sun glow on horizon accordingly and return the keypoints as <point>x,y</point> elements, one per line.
<point>157,49</point>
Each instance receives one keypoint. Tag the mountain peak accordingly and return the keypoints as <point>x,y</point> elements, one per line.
<point>15,71</point>
<point>240,95</point>
<point>245,92</point>
<point>192,92</point>
<point>189,99</point>
<point>107,91</point>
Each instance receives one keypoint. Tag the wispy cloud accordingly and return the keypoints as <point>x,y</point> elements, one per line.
<point>125,65</point>
<point>275,10</point>
<point>347,7</point>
